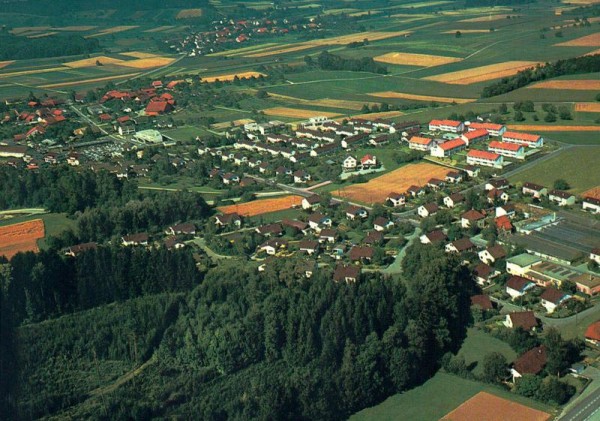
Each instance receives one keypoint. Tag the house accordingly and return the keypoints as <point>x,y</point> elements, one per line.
<point>491,254</point>
<point>552,298</point>
<point>482,301</point>
<point>230,178</point>
<point>270,230</point>
<point>155,108</point>
<point>361,254</point>
<point>472,218</point>
<point>485,158</point>
<point>13,151</point>
<point>140,239</point>
<point>301,176</point>
<point>317,221</point>
<point>484,274</point>
<point>368,161</point>
<point>492,128</point>
<point>415,191</point>
<point>381,224</point>
<point>273,245</point>
<point>535,190</point>
<point>531,362</point>
<point>595,255</point>
<point>353,212</point>
<point>298,226</point>
<point>396,199</point>
<point>427,209</point>
<point>454,177</point>
<point>453,200</point>
<point>186,229</point>
<point>174,243</point>
<point>517,286</point>
<point>509,210</point>
<point>379,140</point>
<point>309,247</point>
<point>373,238</point>
<point>525,139</point>
<point>497,183</point>
<point>503,223</point>
<point>350,163</point>
<point>328,236</point>
<point>435,183</point>
<point>353,140</point>
<point>228,219</point>
<point>459,246</point>
<point>436,236</point>
<point>561,198</point>
<point>474,136</point>
<point>472,171</point>
<point>591,204</point>
<point>524,319</point>
<point>446,126</point>
<point>592,333</point>
<point>448,148</point>
<point>311,202</point>
<point>76,250</point>
<point>496,195</point>
<point>418,143</point>
<point>348,274</point>
<point>519,265</point>
<point>511,150</point>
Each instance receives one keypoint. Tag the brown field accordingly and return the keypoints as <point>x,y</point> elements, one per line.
<point>138,54</point>
<point>486,18</point>
<point>83,82</point>
<point>21,237</point>
<point>483,73</point>
<point>401,95</point>
<point>383,114</point>
<point>591,53</point>
<point>231,76</point>
<point>578,85</point>
<point>587,41</point>
<point>593,192</point>
<point>42,35</point>
<point>160,28</point>
<point>588,107</point>
<point>146,63</point>
<point>466,31</point>
<point>227,124</point>
<point>140,63</point>
<point>3,64</point>
<point>325,102</point>
<point>297,112</point>
<point>485,406</point>
<point>409,59</point>
<point>112,30</point>
<point>189,13</point>
<point>258,207</point>
<point>540,128</point>
<point>377,189</point>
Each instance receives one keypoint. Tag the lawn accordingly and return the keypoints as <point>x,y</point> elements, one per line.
<point>478,344</point>
<point>576,167</point>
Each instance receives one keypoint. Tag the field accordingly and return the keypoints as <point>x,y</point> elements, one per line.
<point>390,94</point>
<point>258,207</point>
<point>5,63</point>
<point>189,13</point>
<point>583,85</point>
<point>548,128</point>
<point>411,59</point>
<point>325,102</point>
<point>139,63</point>
<point>593,192</point>
<point>138,54</point>
<point>85,81</point>
<point>383,114</point>
<point>574,164</point>
<point>112,30</point>
<point>478,344</point>
<point>493,408</point>
<point>483,73</point>
<point>231,76</point>
<point>296,112</point>
<point>19,237</point>
<point>489,18</point>
<point>588,107</point>
<point>466,31</point>
<point>587,41</point>
<point>377,189</point>
<point>227,124</point>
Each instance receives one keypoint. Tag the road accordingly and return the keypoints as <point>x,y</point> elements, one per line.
<point>588,409</point>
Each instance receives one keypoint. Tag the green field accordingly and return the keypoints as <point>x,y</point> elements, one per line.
<point>576,166</point>
<point>478,344</point>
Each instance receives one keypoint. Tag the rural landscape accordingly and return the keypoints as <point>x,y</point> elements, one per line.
<point>300,209</point>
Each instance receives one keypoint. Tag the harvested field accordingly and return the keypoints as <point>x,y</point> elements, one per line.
<point>401,95</point>
<point>42,35</point>
<point>587,41</point>
<point>3,64</point>
<point>297,112</point>
<point>31,72</point>
<point>383,114</point>
<point>160,29</point>
<point>485,406</point>
<point>189,13</point>
<point>541,128</point>
<point>231,76</point>
<point>325,102</point>
<point>81,28</point>
<point>83,82</point>
<point>483,73</point>
<point>578,85</point>
<point>258,207</point>
<point>289,49</point>
<point>90,62</point>
<point>227,124</point>
<point>112,30</point>
<point>593,192</point>
<point>466,31</point>
<point>409,59</point>
<point>377,189</point>
<point>147,63</point>
<point>588,107</point>
<point>20,237</point>
<point>138,54</point>
<point>23,29</point>
<point>486,18</point>
<point>140,63</point>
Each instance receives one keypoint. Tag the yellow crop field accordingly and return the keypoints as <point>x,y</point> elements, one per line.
<point>402,95</point>
<point>86,81</point>
<point>141,63</point>
<point>112,30</point>
<point>189,13</point>
<point>23,29</point>
<point>489,18</point>
<point>160,29</point>
<point>542,128</point>
<point>147,63</point>
<point>410,59</point>
<point>3,64</point>
<point>325,102</point>
<point>483,73</point>
<point>42,35</point>
<point>80,28</point>
<point>138,54</point>
<point>383,114</point>
<point>588,107</point>
<point>229,77</point>
<point>90,62</point>
<point>296,112</point>
<point>587,41</point>
<point>577,85</point>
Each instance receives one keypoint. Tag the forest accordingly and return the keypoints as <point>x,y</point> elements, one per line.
<point>328,61</point>
<point>13,47</point>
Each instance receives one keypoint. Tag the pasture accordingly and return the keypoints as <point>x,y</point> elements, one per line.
<point>262,206</point>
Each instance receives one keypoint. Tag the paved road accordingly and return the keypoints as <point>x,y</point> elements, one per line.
<point>588,409</point>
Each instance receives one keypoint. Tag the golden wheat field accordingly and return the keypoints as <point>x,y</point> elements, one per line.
<point>578,85</point>
<point>489,18</point>
<point>283,50</point>
<point>401,95</point>
<point>588,107</point>
<point>483,73</point>
<point>587,41</point>
<point>296,112</point>
<point>325,102</point>
<point>146,63</point>
<point>138,54</point>
<point>231,76</point>
<point>189,13</point>
<point>410,59</point>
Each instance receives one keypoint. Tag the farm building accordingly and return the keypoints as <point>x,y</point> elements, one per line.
<point>525,139</point>
<point>511,150</point>
<point>448,148</point>
<point>485,158</point>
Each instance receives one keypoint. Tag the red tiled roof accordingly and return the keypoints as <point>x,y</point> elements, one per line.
<point>505,145</point>
<point>593,331</point>
<point>482,301</point>
<point>531,362</point>
<point>552,295</point>
<point>517,282</point>
<point>523,319</point>
<point>453,123</point>
<point>503,222</point>
<point>157,107</point>
<point>476,134</point>
<point>487,126</point>
<point>475,153</point>
<point>472,215</point>
<point>420,140</point>
<point>521,136</point>
<point>453,144</point>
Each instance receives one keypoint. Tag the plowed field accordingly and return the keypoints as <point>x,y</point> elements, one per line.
<point>21,237</point>
<point>483,73</point>
<point>587,41</point>
<point>485,406</point>
<point>588,107</point>
<point>258,207</point>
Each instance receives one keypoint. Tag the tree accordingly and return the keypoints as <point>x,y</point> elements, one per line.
<point>528,385</point>
<point>458,34</point>
<point>494,367</point>
<point>550,118</point>
<point>519,116</point>
<point>554,391</point>
<point>561,184</point>
<point>262,94</point>
<point>503,109</point>
<point>564,113</point>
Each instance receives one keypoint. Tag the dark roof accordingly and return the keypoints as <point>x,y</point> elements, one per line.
<point>499,183</point>
<point>342,272</point>
<point>523,319</point>
<point>80,248</point>
<point>482,270</point>
<point>314,199</point>
<point>317,218</point>
<point>431,207</point>
<point>186,228</point>
<point>531,362</point>
<point>299,225</point>
<point>592,200</point>
<point>463,244</point>
<point>136,238</point>
<point>361,252</point>
<point>497,251</point>
<point>381,221</point>
<point>561,194</point>
<point>482,301</point>
<point>329,232</point>
<point>437,235</point>
<point>457,197</point>
<point>226,218</point>
<point>308,245</point>
<point>517,282</point>
<point>552,295</point>
<point>472,215</point>
<point>532,186</point>
<point>270,229</point>
<point>373,237</point>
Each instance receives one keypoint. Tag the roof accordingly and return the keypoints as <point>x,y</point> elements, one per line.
<point>431,207</point>
<point>308,245</point>
<point>592,200</point>
<point>157,107</point>
<point>381,221</point>
<point>487,126</point>
<point>561,194</point>
<point>521,136</point>
<point>523,319</point>
<point>472,215</point>
<point>475,153</point>
<point>532,186</point>
<point>463,244</point>
<point>136,238</point>
<point>497,251</point>
<point>361,252</point>
<point>482,270</point>
<point>452,123</point>
<point>553,295</point>
<point>476,133</point>
<point>373,237</point>
<point>482,301</point>
<point>505,145</point>
<point>395,196</point>
<point>420,140</point>
<point>342,272</point>
<point>452,144</point>
<point>531,362</point>
<point>523,260</point>
<point>436,235</point>
<point>503,222</point>
<point>457,197</point>
<point>593,331</point>
<point>517,283</point>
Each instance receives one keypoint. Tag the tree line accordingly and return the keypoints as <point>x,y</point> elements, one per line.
<point>328,61</point>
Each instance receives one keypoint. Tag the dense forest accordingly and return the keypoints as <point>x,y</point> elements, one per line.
<point>328,61</point>
<point>13,47</point>
<point>584,64</point>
